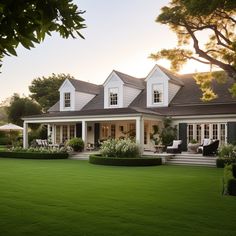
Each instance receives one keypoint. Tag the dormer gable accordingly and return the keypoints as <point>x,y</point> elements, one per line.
<point>162,86</point>
<point>121,89</point>
<point>75,94</point>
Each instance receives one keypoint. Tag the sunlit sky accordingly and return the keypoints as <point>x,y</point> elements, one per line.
<point>120,35</point>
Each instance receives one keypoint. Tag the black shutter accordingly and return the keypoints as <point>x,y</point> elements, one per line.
<point>79,130</point>
<point>231,132</point>
<point>96,134</point>
<point>183,135</point>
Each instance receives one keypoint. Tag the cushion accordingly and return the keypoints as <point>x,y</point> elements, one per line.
<point>206,141</point>
<point>176,143</point>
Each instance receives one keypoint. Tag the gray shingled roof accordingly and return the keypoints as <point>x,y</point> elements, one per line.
<point>85,87</point>
<point>131,81</point>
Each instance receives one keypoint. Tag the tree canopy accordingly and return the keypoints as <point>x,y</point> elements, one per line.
<point>45,90</point>
<point>27,22</point>
<point>20,107</point>
<point>188,19</point>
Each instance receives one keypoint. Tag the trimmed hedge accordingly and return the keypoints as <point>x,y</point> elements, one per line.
<point>33,155</point>
<point>230,180</point>
<point>115,161</point>
<point>222,161</point>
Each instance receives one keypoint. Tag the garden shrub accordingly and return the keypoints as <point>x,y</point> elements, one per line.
<point>120,148</point>
<point>98,159</point>
<point>229,180</point>
<point>77,144</point>
<point>227,155</point>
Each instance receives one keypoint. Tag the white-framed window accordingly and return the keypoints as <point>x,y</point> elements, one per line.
<point>157,93</point>
<point>113,96</point>
<point>67,102</point>
<point>190,132</point>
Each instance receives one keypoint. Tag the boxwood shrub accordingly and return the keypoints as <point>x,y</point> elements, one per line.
<point>98,159</point>
<point>222,161</point>
<point>229,180</point>
<point>33,155</point>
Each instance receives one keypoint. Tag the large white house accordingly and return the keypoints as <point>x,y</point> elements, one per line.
<point>125,105</point>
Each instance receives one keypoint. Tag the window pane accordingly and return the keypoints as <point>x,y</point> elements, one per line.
<point>198,133</point>
<point>206,131</point>
<point>58,134</point>
<point>113,131</point>
<point>190,132</point>
<point>222,134</point>
<point>72,131</point>
<point>64,133</point>
<point>66,99</point>
<point>157,93</point>
<point>215,131</point>
<point>113,96</point>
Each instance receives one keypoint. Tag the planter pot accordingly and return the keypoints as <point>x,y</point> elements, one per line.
<point>193,147</point>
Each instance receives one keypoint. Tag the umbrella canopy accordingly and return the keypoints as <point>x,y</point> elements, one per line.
<point>10,127</point>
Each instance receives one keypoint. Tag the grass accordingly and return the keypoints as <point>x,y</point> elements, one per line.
<point>65,197</point>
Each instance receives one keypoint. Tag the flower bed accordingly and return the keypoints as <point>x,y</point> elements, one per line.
<point>98,159</point>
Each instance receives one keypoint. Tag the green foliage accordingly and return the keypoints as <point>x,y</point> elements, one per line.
<point>168,133</point>
<point>20,107</point>
<point>193,141</point>
<point>77,144</point>
<point>27,22</point>
<point>227,151</point>
<point>27,154</point>
<point>229,181</point>
<point>45,90</point>
<point>120,148</point>
<point>115,161</point>
<point>188,19</point>
<point>155,135</point>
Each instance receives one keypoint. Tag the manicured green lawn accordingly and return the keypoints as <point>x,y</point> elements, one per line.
<point>65,197</point>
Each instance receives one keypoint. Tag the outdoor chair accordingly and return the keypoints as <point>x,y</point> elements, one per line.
<point>209,149</point>
<point>175,148</point>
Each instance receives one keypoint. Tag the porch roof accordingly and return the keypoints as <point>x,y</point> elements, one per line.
<point>97,112</point>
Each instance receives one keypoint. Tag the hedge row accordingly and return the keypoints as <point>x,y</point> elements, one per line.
<point>222,161</point>
<point>33,155</point>
<point>114,161</point>
<point>230,180</point>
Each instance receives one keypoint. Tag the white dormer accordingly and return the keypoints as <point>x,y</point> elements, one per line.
<point>161,89</point>
<point>119,90</point>
<point>73,95</point>
<point>67,96</point>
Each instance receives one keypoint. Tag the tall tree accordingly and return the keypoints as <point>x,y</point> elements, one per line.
<point>45,90</point>
<point>26,22</point>
<point>20,107</point>
<point>188,19</point>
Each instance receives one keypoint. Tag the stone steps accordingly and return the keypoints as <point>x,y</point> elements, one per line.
<point>192,160</point>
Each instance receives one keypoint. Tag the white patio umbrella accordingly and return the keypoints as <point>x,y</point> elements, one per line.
<point>9,128</point>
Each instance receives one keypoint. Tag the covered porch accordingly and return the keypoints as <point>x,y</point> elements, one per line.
<point>94,130</point>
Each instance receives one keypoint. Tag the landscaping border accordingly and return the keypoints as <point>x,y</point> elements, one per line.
<point>97,159</point>
<point>33,155</point>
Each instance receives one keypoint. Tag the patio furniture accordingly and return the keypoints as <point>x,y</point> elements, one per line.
<point>210,149</point>
<point>193,148</point>
<point>175,148</point>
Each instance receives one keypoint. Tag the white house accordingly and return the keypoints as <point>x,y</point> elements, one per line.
<point>126,105</point>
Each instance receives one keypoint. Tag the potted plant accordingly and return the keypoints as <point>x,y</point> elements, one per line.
<point>193,146</point>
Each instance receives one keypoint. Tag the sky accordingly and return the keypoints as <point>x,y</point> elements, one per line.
<point>120,35</point>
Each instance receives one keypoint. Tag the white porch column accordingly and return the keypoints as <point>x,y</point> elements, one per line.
<point>84,132</point>
<point>140,132</point>
<point>25,135</point>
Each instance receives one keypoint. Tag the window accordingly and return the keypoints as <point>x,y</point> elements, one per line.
<point>215,131</point>
<point>64,133</point>
<point>222,133</point>
<point>72,131</point>
<point>66,99</point>
<point>199,133</point>
<point>113,96</point>
<point>157,93</point>
<point>206,131</point>
<point>190,133</point>
<point>113,131</point>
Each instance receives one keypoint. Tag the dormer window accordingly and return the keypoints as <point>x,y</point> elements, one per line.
<point>113,96</point>
<point>67,102</point>
<point>157,93</point>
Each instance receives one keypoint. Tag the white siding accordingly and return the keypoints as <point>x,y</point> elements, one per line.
<point>173,89</point>
<point>67,87</point>
<point>113,81</point>
<point>81,99</point>
<point>157,77</point>
<point>129,95</point>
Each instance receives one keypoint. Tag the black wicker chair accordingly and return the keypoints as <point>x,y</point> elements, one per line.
<point>211,149</point>
<point>175,148</point>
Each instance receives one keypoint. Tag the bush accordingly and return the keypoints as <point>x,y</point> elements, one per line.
<point>229,180</point>
<point>120,148</point>
<point>115,161</point>
<point>77,144</point>
<point>34,155</point>
<point>227,155</point>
